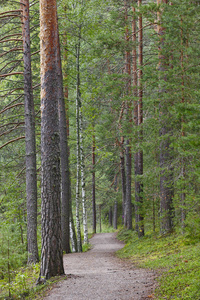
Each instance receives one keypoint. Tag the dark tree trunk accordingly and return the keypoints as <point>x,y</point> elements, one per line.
<point>31,176</point>
<point>129,121</point>
<point>128,187</point>
<point>93,186</point>
<point>100,217</point>
<point>78,96</point>
<point>64,156</point>
<point>110,216</point>
<point>139,156</point>
<point>123,179</point>
<point>115,216</point>
<point>51,255</point>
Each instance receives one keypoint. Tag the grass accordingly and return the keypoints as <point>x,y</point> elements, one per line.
<point>23,282</point>
<point>177,258</point>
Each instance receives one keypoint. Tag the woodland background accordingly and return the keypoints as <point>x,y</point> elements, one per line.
<point>156,117</point>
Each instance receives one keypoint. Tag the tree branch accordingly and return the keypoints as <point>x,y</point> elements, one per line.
<point>10,74</point>
<point>11,141</point>
<point>17,104</point>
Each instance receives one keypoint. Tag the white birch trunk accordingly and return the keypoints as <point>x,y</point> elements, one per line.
<point>72,234</point>
<point>85,226</point>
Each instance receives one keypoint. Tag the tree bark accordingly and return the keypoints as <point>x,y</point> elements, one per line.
<point>78,227</point>
<point>129,121</point>
<point>51,255</point>
<point>139,154</point>
<point>64,156</point>
<point>115,216</point>
<point>31,175</point>
<point>93,185</point>
<point>123,179</point>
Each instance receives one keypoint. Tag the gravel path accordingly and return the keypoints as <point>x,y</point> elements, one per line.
<point>99,275</point>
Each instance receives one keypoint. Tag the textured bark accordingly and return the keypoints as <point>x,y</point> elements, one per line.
<point>64,156</point>
<point>31,177</point>
<point>129,120</point>
<point>78,227</point>
<point>51,255</point>
<point>93,185</point>
<point>183,134</point>
<point>139,155</point>
<point>123,179</point>
<point>166,176</point>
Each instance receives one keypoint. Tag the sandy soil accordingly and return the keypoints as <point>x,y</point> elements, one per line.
<point>99,274</point>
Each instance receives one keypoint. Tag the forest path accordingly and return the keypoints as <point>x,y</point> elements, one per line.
<point>99,275</point>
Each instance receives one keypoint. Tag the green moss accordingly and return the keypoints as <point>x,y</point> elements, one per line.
<point>177,257</point>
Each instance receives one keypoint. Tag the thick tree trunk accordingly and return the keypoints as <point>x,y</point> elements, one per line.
<point>93,186</point>
<point>31,176</point>
<point>51,256</point>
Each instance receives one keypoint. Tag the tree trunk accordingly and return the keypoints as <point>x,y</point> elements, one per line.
<point>73,237</point>
<point>139,155</point>
<point>31,176</point>
<point>123,179</point>
<point>115,216</point>
<point>93,186</point>
<point>129,120</point>
<point>110,216</point>
<point>166,176</point>
<point>51,256</point>
<point>100,217</point>
<point>85,225</point>
<point>183,134</point>
<point>64,155</point>
<point>78,226</point>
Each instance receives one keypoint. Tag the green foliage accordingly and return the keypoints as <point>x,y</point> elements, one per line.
<point>177,258</point>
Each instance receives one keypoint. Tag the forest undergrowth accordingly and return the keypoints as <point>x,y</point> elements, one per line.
<point>175,257</point>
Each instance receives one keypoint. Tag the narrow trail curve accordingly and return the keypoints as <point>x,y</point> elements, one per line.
<point>99,275</point>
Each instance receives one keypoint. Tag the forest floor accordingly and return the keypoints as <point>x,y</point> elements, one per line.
<point>99,274</point>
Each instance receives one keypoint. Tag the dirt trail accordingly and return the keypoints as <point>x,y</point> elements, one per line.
<point>99,275</point>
